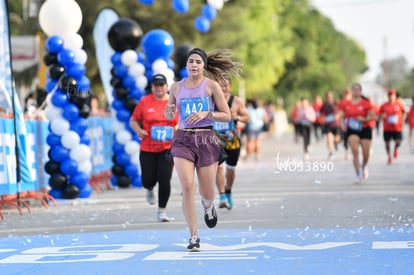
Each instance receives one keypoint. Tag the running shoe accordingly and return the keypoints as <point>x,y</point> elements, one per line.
<point>224,202</point>
<point>150,197</point>
<point>396,153</point>
<point>194,244</point>
<point>210,216</point>
<point>162,217</point>
<point>229,200</point>
<point>358,180</point>
<point>389,160</point>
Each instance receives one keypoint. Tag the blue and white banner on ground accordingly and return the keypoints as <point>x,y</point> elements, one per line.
<point>379,251</point>
<point>34,153</point>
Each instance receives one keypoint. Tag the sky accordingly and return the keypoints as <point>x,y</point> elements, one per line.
<point>384,28</point>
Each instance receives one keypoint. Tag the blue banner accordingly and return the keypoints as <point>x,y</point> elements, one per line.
<point>35,151</point>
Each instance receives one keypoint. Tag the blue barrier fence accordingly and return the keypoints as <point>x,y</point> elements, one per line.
<point>33,149</point>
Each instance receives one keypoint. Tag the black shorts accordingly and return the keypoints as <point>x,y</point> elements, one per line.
<point>232,157</point>
<point>334,130</point>
<point>365,133</point>
<point>388,135</point>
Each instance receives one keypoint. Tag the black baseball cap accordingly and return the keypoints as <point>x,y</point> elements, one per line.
<point>159,79</point>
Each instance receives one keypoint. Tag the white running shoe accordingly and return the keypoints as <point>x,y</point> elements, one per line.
<point>162,217</point>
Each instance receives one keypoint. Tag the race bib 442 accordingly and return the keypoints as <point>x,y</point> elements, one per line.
<point>194,105</point>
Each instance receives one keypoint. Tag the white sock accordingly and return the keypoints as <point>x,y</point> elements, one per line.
<point>207,203</point>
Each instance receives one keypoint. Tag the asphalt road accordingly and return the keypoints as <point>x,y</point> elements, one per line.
<point>279,199</point>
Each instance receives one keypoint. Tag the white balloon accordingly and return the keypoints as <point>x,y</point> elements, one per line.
<point>117,126</point>
<point>73,41</point>
<point>85,166</point>
<point>141,82</point>
<point>131,147</point>
<point>59,126</point>
<point>52,112</point>
<point>129,57</point>
<point>80,153</point>
<point>80,56</point>
<point>135,158</point>
<point>136,69</point>
<point>217,4</point>
<point>159,65</point>
<point>70,139</point>
<point>60,17</point>
<point>123,137</point>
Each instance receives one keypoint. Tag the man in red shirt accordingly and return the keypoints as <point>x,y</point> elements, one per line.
<point>392,114</point>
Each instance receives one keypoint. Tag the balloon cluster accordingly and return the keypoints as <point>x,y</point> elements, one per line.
<point>128,82</point>
<point>69,162</point>
<point>208,11</point>
<point>130,73</point>
<point>157,46</point>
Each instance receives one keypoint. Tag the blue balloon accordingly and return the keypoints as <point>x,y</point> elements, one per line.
<point>80,179</point>
<point>157,44</point>
<point>76,70</point>
<point>59,153</point>
<point>117,104</point>
<point>117,148</point>
<point>123,159</point>
<point>116,58</point>
<point>183,73</point>
<point>85,192</point>
<point>121,70</point>
<point>123,115</point>
<point>56,193</point>
<point>70,111</point>
<point>147,2</point>
<point>54,44</point>
<point>66,57</point>
<point>79,125</point>
<point>51,84</point>
<point>59,98</point>
<point>53,140</point>
<point>208,12</point>
<point>114,181</point>
<point>181,6</point>
<point>202,24</point>
<point>131,170</point>
<point>136,182</point>
<point>83,84</point>
<point>69,166</point>
<point>136,93</point>
<point>141,57</point>
<point>129,82</point>
<point>85,139</point>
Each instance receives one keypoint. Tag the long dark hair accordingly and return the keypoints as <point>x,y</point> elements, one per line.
<point>220,65</point>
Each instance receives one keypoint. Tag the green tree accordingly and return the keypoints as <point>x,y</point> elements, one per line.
<point>324,58</point>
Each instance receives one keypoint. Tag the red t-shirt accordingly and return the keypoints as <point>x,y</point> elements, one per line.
<point>393,113</point>
<point>352,111</point>
<point>317,108</point>
<point>149,112</point>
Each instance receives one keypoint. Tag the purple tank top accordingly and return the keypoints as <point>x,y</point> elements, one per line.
<point>193,100</point>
